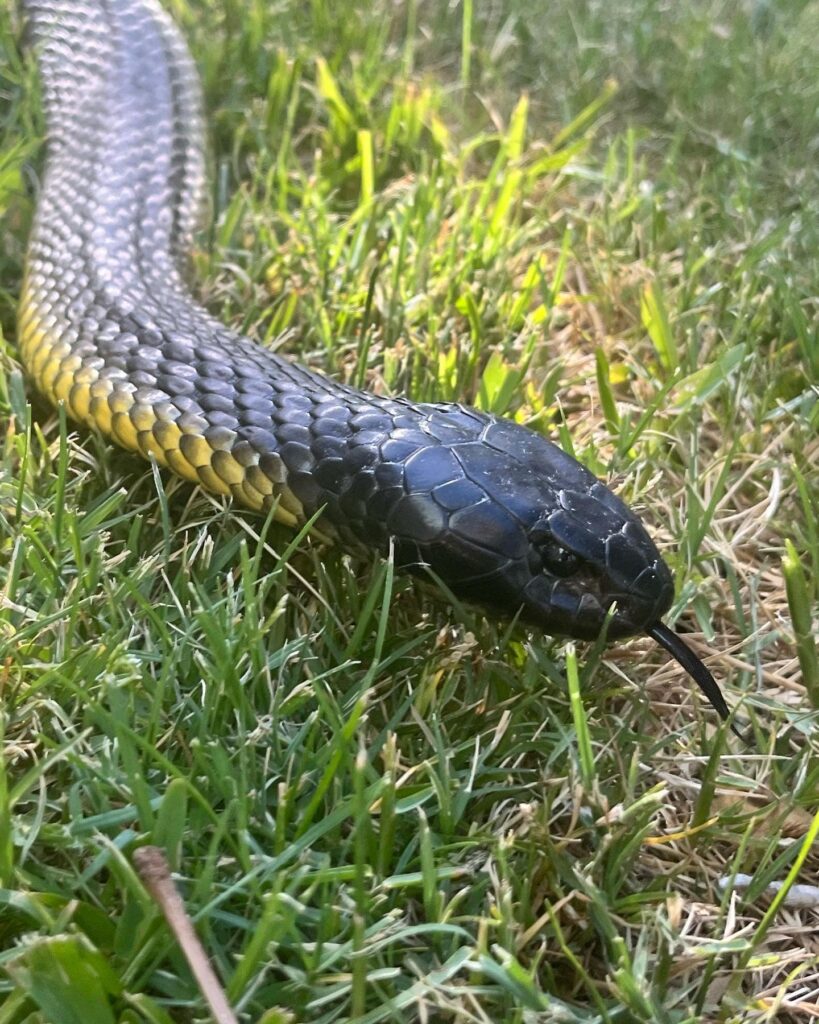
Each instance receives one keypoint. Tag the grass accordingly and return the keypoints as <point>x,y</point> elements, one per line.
<point>601,221</point>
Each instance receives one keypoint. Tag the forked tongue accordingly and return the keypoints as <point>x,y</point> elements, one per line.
<point>682,653</point>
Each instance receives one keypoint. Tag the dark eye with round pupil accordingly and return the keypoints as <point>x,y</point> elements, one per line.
<point>556,559</point>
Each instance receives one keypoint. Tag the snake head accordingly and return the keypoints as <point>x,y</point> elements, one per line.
<point>590,560</point>
<point>528,530</point>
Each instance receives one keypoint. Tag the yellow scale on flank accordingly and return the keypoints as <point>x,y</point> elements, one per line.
<point>147,428</point>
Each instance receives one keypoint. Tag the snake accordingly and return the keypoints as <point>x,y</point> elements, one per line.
<point>109,328</point>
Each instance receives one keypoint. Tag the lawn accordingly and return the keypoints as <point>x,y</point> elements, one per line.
<point>599,219</point>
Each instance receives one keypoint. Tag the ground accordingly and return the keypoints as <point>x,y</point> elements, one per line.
<point>600,219</point>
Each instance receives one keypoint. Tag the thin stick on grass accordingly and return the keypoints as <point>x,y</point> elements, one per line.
<point>155,872</point>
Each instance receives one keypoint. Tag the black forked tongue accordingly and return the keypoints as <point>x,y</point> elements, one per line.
<point>682,653</point>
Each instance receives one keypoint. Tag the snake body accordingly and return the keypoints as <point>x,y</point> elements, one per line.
<point>108,327</point>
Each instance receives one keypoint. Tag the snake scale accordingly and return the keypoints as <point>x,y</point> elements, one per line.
<point>108,326</point>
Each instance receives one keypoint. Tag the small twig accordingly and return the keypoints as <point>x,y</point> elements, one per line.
<point>155,872</point>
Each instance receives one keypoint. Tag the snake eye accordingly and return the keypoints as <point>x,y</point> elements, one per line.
<point>555,559</point>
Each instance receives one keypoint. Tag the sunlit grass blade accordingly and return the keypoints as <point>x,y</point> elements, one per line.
<point>801,610</point>
<point>654,315</point>
<point>581,729</point>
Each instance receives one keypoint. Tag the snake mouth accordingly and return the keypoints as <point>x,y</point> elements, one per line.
<point>679,650</point>
<point>582,607</point>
